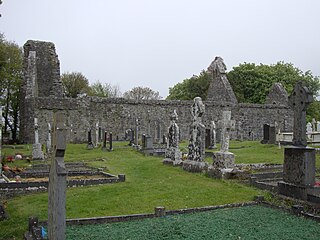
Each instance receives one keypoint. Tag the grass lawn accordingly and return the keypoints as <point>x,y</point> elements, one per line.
<point>148,184</point>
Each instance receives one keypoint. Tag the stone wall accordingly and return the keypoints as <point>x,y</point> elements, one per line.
<point>117,115</point>
<point>43,94</point>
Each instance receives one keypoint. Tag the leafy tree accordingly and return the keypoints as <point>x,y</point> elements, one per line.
<point>142,93</point>
<point>196,86</point>
<point>11,74</point>
<point>75,83</point>
<point>251,83</point>
<point>104,90</point>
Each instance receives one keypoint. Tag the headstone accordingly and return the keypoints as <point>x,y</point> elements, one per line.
<point>97,135</point>
<point>269,134</point>
<point>213,136</point>
<point>37,153</point>
<point>309,127</point>
<point>104,146</point>
<point>136,139</point>
<point>57,181</point>
<point>207,138</point>
<point>314,124</point>
<point>196,148</point>
<point>110,142</point>
<point>90,144</point>
<point>48,143</point>
<point>223,160</point>
<point>318,126</point>
<point>173,153</point>
<point>299,160</point>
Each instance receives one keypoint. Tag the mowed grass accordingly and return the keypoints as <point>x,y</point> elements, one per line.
<point>148,184</point>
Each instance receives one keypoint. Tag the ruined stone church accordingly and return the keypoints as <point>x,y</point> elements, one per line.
<point>42,94</point>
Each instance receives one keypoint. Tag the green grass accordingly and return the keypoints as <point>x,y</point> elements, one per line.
<point>148,184</point>
<point>251,222</point>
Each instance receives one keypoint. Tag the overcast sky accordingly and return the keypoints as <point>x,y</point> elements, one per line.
<point>158,43</point>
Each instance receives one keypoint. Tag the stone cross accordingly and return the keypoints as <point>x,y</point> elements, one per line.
<point>137,132</point>
<point>213,135</point>
<point>36,131</point>
<point>173,131</point>
<point>299,101</point>
<point>97,134</point>
<point>226,125</point>
<point>48,145</point>
<point>57,181</point>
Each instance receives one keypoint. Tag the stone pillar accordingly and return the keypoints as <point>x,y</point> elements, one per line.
<point>104,146</point>
<point>110,142</point>
<point>37,153</point>
<point>57,181</point>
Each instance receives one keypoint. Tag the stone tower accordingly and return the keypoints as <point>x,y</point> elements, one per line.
<point>220,90</point>
<point>41,80</point>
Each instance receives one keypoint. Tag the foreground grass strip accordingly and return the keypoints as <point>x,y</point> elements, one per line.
<point>251,222</point>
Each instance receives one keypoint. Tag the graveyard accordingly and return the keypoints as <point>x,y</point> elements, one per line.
<point>92,163</point>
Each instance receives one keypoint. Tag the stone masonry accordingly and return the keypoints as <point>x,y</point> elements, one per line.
<point>43,92</point>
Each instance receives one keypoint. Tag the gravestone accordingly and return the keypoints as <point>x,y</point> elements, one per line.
<point>104,146</point>
<point>318,126</point>
<point>48,143</point>
<point>90,144</point>
<point>110,142</point>
<point>173,153</point>
<point>136,138</point>
<point>57,181</point>
<point>207,138</point>
<point>37,153</point>
<point>213,136</point>
<point>299,160</point>
<point>196,147</point>
<point>97,135</point>
<point>314,126</point>
<point>309,127</point>
<point>269,134</point>
<point>223,160</point>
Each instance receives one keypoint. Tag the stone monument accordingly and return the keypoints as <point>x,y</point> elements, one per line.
<point>37,153</point>
<point>213,136</point>
<point>299,160</point>
<point>90,144</point>
<point>223,160</point>
<point>196,148</point>
<point>48,143</point>
<point>173,153</point>
<point>57,181</point>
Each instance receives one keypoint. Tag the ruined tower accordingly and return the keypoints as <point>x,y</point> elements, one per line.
<point>41,80</point>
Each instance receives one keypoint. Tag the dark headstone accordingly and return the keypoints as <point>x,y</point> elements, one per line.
<point>110,141</point>
<point>90,144</point>
<point>104,146</point>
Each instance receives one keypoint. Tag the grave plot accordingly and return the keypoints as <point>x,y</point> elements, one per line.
<point>35,179</point>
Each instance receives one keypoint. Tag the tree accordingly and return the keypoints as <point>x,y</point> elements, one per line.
<point>11,75</point>
<point>251,83</point>
<point>196,86</point>
<point>75,83</point>
<point>142,93</point>
<point>104,90</point>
